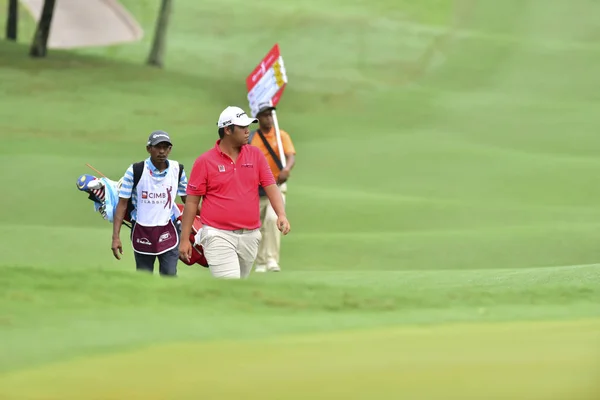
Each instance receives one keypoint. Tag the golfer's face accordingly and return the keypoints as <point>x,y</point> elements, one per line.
<point>240,134</point>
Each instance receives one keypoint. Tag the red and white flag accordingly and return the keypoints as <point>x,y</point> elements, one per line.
<point>267,81</point>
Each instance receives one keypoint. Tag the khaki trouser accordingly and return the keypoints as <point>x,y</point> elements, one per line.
<point>230,254</point>
<point>268,250</point>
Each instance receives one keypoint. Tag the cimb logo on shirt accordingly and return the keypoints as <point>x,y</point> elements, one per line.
<point>152,195</point>
<point>248,165</point>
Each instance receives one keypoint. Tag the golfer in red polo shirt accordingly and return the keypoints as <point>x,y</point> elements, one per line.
<point>226,178</point>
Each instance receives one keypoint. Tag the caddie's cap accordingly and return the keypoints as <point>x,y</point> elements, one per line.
<point>157,137</point>
<point>233,115</point>
<point>264,106</point>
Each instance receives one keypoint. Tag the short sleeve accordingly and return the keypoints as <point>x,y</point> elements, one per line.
<point>265,175</point>
<point>127,184</point>
<point>183,182</point>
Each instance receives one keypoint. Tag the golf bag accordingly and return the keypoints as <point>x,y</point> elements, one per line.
<point>197,251</point>
<point>105,195</point>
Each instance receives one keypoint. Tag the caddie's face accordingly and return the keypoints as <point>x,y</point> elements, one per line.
<point>265,119</point>
<point>159,152</point>
<point>239,134</point>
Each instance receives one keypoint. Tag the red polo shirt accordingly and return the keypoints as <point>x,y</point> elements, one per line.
<point>230,189</point>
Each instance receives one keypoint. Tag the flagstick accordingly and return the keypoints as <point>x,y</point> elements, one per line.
<point>278,135</point>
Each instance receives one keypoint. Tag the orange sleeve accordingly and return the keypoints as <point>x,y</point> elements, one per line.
<point>286,141</point>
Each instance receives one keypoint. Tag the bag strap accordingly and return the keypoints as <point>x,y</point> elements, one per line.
<point>268,146</point>
<point>180,172</point>
<point>138,169</point>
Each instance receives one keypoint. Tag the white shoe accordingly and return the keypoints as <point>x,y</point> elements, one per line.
<point>274,268</point>
<point>260,268</point>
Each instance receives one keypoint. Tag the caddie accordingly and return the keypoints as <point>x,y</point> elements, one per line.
<point>154,232</point>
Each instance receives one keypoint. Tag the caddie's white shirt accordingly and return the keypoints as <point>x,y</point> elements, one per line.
<point>156,196</point>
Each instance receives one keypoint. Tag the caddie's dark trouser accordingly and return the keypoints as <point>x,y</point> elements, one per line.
<point>167,262</point>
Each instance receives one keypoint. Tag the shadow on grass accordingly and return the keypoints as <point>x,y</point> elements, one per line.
<point>72,69</point>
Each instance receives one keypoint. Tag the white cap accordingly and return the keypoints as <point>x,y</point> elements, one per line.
<point>234,116</point>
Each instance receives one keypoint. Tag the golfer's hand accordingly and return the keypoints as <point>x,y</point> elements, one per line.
<point>117,248</point>
<point>284,174</point>
<point>185,250</point>
<point>283,225</point>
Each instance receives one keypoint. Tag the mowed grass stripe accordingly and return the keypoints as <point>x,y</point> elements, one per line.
<point>538,360</point>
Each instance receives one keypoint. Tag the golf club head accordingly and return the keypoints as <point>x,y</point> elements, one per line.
<point>88,182</point>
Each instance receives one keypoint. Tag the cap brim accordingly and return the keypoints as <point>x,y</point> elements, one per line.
<point>161,141</point>
<point>244,121</point>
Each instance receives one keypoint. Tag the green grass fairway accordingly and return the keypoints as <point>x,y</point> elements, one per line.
<point>496,361</point>
<point>445,218</point>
